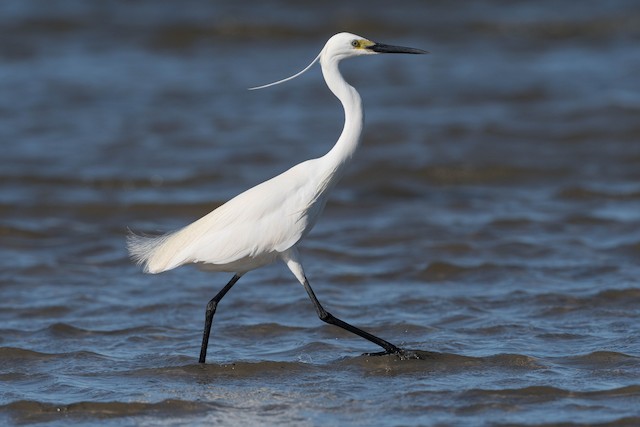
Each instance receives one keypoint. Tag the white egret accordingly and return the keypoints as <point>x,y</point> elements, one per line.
<point>266,222</point>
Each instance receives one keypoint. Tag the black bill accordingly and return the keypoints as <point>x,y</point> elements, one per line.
<point>385,48</point>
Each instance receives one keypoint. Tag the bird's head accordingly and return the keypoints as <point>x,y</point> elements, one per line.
<point>347,45</point>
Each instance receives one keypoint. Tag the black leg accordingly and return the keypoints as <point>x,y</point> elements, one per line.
<point>327,317</point>
<point>211,310</point>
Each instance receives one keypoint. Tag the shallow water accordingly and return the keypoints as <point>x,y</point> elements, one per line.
<point>490,221</point>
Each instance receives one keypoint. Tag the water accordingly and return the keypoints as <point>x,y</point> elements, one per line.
<point>490,222</point>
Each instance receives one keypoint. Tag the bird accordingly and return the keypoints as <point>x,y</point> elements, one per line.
<point>266,223</point>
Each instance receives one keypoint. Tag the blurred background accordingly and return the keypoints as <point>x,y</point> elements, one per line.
<point>110,108</point>
<point>494,205</point>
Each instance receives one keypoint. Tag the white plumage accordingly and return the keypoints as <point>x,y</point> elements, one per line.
<point>245,233</point>
<point>266,222</point>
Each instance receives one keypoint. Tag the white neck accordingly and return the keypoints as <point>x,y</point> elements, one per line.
<point>349,139</point>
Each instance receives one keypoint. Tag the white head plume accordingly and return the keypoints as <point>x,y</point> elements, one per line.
<point>288,78</point>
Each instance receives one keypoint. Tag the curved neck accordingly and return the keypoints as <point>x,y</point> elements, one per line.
<point>349,139</point>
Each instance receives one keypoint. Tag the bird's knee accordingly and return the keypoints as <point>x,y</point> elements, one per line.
<point>211,307</point>
<point>326,317</point>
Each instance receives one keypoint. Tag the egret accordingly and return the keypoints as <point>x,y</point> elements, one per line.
<point>266,223</point>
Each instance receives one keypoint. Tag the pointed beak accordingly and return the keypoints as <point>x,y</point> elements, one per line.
<point>385,48</point>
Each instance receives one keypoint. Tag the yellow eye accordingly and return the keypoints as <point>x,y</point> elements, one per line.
<point>355,43</point>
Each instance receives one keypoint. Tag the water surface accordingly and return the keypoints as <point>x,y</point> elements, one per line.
<point>490,220</point>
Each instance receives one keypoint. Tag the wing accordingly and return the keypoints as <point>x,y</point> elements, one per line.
<point>270,217</point>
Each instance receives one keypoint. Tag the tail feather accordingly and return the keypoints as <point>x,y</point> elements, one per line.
<point>144,250</point>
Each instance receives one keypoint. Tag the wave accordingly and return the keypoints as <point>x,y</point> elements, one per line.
<point>438,271</point>
<point>600,360</point>
<point>422,361</point>
<point>214,372</point>
<point>34,411</point>
<point>65,330</point>
<point>545,393</point>
<point>552,304</point>
<point>588,194</point>
<point>616,422</point>
<point>444,175</point>
<point>109,182</point>
<point>69,331</point>
<point>7,354</point>
<point>100,210</point>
